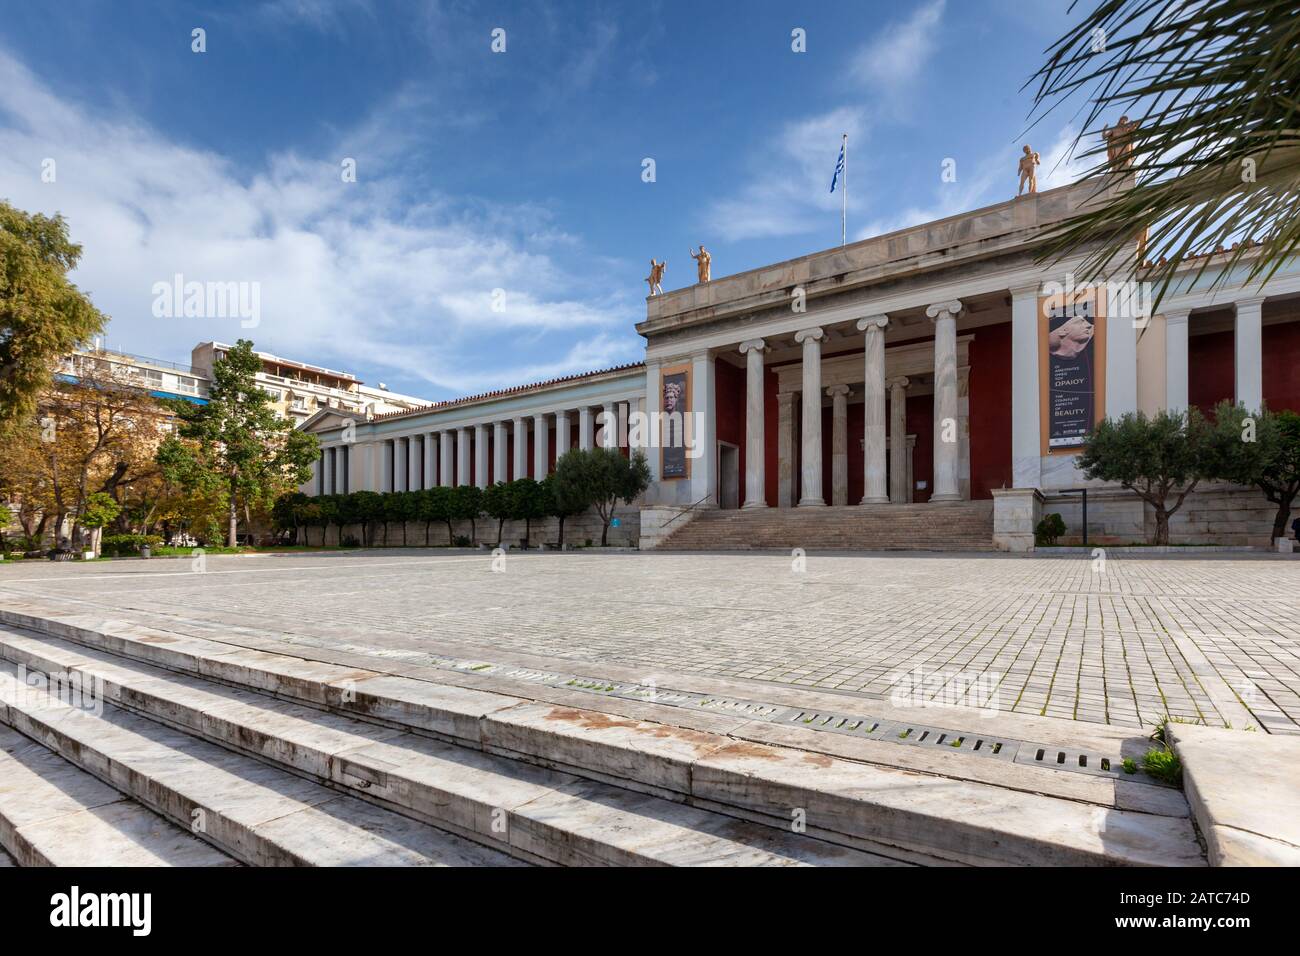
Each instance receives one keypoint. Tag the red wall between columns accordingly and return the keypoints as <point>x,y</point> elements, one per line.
<point>729,401</point>
<point>1211,377</point>
<point>990,410</point>
<point>1282,366</point>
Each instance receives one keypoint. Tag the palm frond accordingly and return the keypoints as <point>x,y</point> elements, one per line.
<point>1214,86</point>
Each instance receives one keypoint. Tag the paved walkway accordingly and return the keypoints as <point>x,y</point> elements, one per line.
<point>1210,639</point>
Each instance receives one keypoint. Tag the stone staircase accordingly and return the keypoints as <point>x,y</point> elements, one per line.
<point>205,752</point>
<point>952,526</point>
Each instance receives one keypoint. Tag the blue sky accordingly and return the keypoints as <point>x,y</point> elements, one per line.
<point>478,171</point>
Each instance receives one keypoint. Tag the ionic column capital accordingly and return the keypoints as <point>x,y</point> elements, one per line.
<point>815,334</point>
<point>899,382</point>
<point>873,323</point>
<point>834,390</point>
<point>939,310</point>
<point>753,345</point>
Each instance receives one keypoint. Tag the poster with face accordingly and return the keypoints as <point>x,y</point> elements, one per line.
<point>675,400</point>
<point>1071,373</point>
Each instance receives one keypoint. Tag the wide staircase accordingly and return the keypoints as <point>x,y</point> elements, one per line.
<point>125,744</point>
<point>951,526</point>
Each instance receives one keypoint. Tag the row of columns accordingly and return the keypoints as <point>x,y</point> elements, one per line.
<point>438,450</point>
<point>947,461</point>
<point>332,470</point>
<point>1248,355</point>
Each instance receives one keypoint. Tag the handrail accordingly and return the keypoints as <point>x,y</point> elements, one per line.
<point>683,511</point>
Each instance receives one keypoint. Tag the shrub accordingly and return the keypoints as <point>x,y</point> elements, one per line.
<point>128,545</point>
<point>1048,530</point>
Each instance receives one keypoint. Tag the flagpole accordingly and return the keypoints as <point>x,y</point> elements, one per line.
<point>844,194</point>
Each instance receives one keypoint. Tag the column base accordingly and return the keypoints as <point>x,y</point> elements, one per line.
<point>753,505</point>
<point>947,496</point>
<point>813,503</point>
<point>881,500</point>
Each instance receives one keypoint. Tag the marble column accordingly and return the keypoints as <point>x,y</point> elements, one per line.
<point>810,470</point>
<point>500,458</point>
<point>520,431</point>
<point>480,456</point>
<point>755,450</point>
<point>609,426</point>
<point>1026,437</point>
<point>444,459</point>
<point>947,454</point>
<point>541,447</point>
<point>839,444</point>
<point>1248,352</point>
<point>873,412</point>
<point>386,477</point>
<point>413,452</point>
<point>785,483</point>
<point>430,459</point>
<point>561,434</point>
<point>400,450</point>
<point>898,440</point>
<point>1176,361</point>
<point>585,441</point>
<point>462,457</point>
<point>327,471</point>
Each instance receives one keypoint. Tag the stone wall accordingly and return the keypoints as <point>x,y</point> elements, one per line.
<point>1216,513</point>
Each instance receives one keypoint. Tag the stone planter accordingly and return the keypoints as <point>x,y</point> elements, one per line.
<point>145,551</point>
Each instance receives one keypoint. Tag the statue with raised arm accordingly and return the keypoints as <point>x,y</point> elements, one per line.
<point>1028,172</point>
<point>702,261</point>
<point>1119,143</point>
<point>656,277</point>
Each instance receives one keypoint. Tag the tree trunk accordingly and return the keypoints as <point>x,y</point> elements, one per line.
<point>426,533</point>
<point>1280,520</point>
<point>450,535</point>
<point>604,534</point>
<point>500,524</point>
<point>561,541</point>
<point>1162,526</point>
<point>232,539</point>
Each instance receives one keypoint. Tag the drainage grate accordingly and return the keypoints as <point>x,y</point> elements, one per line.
<point>863,726</point>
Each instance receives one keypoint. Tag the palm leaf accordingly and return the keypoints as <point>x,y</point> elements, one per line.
<point>1214,173</point>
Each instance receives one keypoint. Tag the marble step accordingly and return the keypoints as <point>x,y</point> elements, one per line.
<point>922,817</point>
<point>255,813</point>
<point>532,813</point>
<point>52,813</point>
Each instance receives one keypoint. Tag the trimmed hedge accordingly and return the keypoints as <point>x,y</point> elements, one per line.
<point>128,545</point>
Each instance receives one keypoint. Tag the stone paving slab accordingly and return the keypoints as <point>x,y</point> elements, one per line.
<point>1244,790</point>
<point>1210,639</point>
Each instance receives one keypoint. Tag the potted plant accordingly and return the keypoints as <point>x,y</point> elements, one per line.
<point>100,510</point>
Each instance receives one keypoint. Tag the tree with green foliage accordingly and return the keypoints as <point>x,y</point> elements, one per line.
<point>1159,458</point>
<point>1262,449</point>
<point>329,515</point>
<point>43,316</point>
<point>498,503</point>
<point>99,511</point>
<point>287,513</point>
<point>602,477</point>
<point>367,508</point>
<point>563,499</point>
<point>467,505</point>
<point>236,441</point>
<point>529,504</point>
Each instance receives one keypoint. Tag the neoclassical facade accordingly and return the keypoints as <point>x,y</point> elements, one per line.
<point>943,365</point>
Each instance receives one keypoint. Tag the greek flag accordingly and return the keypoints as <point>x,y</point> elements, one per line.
<point>839,168</point>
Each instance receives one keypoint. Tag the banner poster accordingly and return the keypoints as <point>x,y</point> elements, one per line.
<point>1072,357</point>
<point>675,401</point>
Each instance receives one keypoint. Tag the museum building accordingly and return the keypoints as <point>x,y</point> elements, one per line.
<point>929,387</point>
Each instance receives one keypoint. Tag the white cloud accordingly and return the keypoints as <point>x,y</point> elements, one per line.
<point>789,191</point>
<point>896,57</point>
<point>352,275</point>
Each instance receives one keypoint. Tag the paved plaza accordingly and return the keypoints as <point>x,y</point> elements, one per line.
<point>1211,639</point>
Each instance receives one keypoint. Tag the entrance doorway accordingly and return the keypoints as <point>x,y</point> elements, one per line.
<point>728,475</point>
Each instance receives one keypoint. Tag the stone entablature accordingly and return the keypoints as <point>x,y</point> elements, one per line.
<point>968,237</point>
